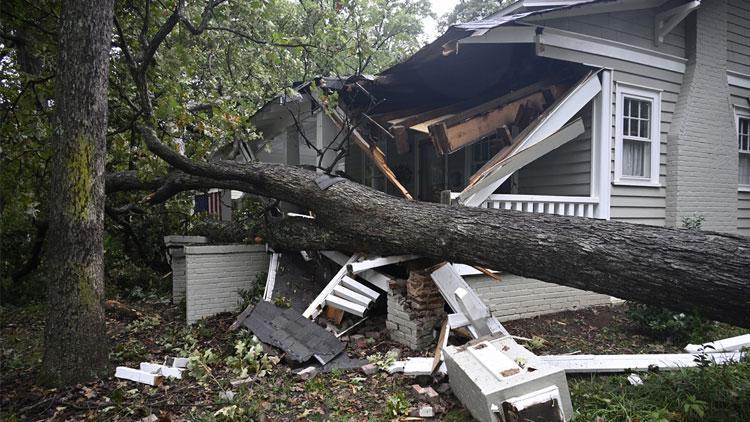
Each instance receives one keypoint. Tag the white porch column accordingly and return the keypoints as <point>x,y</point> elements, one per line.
<point>601,146</point>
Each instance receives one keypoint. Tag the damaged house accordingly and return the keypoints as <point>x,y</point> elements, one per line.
<point>627,110</point>
<point>634,111</point>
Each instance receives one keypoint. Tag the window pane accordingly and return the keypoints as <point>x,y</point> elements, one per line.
<point>744,178</point>
<point>626,107</point>
<point>644,129</point>
<point>636,158</point>
<point>645,110</point>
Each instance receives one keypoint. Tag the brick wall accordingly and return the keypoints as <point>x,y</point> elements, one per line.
<point>415,309</point>
<point>214,274</point>
<point>702,158</point>
<point>516,297</point>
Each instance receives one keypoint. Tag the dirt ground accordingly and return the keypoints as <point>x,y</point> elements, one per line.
<point>280,394</point>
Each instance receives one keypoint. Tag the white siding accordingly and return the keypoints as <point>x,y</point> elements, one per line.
<point>738,36</point>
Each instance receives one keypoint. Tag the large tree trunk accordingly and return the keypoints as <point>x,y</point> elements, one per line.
<point>688,270</point>
<point>75,340</point>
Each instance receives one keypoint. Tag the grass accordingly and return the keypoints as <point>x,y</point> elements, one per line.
<point>713,393</point>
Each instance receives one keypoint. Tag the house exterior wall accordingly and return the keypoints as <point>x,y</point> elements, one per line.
<point>516,297</point>
<point>702,152</point>
<point>738,36</point>
<point>566,171</point>
<point>214,275</point>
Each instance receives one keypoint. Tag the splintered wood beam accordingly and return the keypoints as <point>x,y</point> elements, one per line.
<point>465,128</point>
<point>546,126</point>
<point>376,154</point>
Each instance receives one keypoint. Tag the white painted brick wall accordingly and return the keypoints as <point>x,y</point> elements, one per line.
<point>702,159</point>
<point>178,276</point>
<point>215,274</point>
<point>516,297</point>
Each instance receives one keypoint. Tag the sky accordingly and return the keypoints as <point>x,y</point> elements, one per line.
<point>440,7</point>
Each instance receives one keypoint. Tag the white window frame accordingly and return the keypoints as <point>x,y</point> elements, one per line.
<point>639,93</point>
<point>740,113</point>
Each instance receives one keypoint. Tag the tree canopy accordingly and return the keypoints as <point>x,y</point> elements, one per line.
<point>206,71</point>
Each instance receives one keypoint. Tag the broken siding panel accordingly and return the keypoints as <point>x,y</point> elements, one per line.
<point>631,27</point>
<point>738,36</point>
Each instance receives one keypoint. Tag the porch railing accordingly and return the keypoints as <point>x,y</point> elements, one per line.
<point>572,206</point>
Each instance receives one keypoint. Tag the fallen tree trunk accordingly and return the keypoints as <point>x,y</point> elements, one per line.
<point>686,270</point>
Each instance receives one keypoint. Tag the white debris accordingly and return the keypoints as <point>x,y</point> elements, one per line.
<point>634,379</point>
<point>732,344</point>
<point>418,366</point>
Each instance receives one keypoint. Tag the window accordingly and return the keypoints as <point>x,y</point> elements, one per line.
<point>637,136</point>
<point>743,143</point>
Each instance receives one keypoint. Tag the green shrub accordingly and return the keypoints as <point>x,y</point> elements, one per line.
<point>665,324</point>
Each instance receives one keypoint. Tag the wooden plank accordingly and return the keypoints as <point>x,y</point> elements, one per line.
<point>368,264</point>
<point>334,315</point>
<point>351,295</point>
<point>273,267</point>
<point>543,127</point>
<point>731,344</point>
<point>137,375</point>
<point>441,342</point>
<point>620,363</point>
<point>358,287</point>
<point>241,317</point>
<point>448,282</point>
<point>379,280</point>
<point>321,298</point>
<point>345,305</point>
<point>372,151</point>
<point>465,129</point>
<point>457,320</point>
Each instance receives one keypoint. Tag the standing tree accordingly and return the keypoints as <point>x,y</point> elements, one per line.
<point>75,336</point>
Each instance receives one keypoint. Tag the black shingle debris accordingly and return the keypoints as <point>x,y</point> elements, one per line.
<point>296,335</point>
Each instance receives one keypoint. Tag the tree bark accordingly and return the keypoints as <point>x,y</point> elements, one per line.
<point>686,270</point>
<point>75,335</point>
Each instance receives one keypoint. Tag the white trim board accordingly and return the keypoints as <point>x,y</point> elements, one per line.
<point>578,42</point>
<point>573,364</point>
<point>738,79</point>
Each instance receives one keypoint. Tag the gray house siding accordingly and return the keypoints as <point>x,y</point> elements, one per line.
<point>738,36</point>
<point>565,171</point>
<point>632,27</point>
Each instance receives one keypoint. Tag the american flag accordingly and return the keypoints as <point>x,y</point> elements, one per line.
<point>210,203</point>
